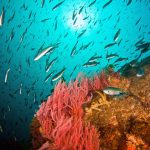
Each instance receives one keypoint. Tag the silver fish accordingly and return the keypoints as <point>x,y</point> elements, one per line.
<point>48,66</point>
<point>8,108</point>
<point>2,17</point>
<point>116,37</point>
<point>74,49</point>
<point>140,72</point>
<point>1,129</point>
<point>20,91</point>
<point>94,58</point>
<point>57,5</point>
<point>113,91</point>
<point>92,3</point>
<point>129,2</point>
<point>74,14</point>
<point>48,76</point>
<point>89,64</point>
<point>108,57</point>
<point>45,51</point>
<point>109,45</point>
<point>6,76</point>
<point>11,18</point>
<point>42,3</point>
<point>81,9</point>
<point>107,4</point>
<point>34,99</point>
<point>58,75</point>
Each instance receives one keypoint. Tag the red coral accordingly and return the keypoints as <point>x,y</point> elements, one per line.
<point>61,116</point>
<point>99,82</point>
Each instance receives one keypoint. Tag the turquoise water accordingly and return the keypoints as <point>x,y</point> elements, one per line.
<point>77,30</point>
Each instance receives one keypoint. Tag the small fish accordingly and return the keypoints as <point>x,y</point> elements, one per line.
<point>44,52</point>
<point>119,42</point>
<point>107,4</point>
<point>11,18</point>
<point>2,17</point>
<point>140,41</point>
<point>129,2</point>
<point>28,61</point>
<point>121,59</point>
<point>34,99</point>
<point>74,15</point>
<point>55,23</point>
<point>140,72</point>
<point>11,95</point>
<point>12,34</point>
<point>1,129</point>
<point>73,71</point>
<point>20,90</point>
<point>48,76</point>
<point>108,57</point>
<point>86,17</point>
<point>9,108</point>
<point>22,37</point>
<point>92,3</point>
<point>134,63</point>
<point>42,3</point>
<point>117,35</point>
<point>57,5</point>
<point>19,68</point>
<point>86,46</point>
<point>44,20</point>
<point>24,7</point>
<point>74,49</point>
<point>6,76</point>
<point>138,21</point>
<point>112,91</point>
<point>81,9</point>
<point>109,45</point>
<point>144,47</point>
<point>58,75</point>
<point>30,15</point>
<point>81,33</point>
<point>75,21</point>
<point>48,66</point>
<point>90,64</point>
<point>94,58</point>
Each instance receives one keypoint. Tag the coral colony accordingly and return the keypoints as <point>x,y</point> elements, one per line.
<point>60,118</point>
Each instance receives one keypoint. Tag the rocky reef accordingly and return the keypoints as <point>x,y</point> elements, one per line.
<point>81,113</point>
<point>123,122</point>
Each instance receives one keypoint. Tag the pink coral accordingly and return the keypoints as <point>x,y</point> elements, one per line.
<point>99,82</point>
<point>61,116</point>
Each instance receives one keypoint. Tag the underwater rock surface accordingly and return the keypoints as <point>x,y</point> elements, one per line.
<point>123,122</point>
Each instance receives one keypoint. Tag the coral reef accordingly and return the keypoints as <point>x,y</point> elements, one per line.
<point>80,116</point>
<point>61,117</point>
<point>124,124</point>
<point>141,88</point>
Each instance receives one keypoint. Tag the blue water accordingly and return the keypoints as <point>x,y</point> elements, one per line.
<point>28,28</point>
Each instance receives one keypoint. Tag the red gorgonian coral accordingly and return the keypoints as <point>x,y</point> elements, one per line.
<point>61,116</point>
